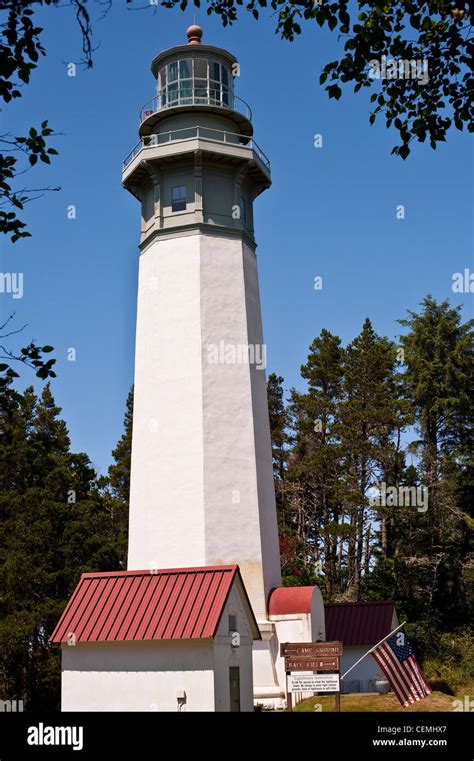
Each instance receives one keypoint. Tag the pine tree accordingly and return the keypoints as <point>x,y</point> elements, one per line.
<point>372,416</point>
<point>54,525</point>
<point>315,462</point>
<point>119,473</point>
<point>434,562</point>
<point>290,544</point>
<point>278,424</point>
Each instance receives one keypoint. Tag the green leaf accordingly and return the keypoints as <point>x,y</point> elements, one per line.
<point>334,91</point>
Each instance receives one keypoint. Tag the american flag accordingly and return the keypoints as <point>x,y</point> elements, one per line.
<point>396,658</point>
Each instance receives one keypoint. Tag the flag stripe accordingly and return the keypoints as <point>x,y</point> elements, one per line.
<point>391,679</point>
<point>417,686</point>
<point>399,665</point>
<point>397,685</point>
<point>426,688</point>
<point>399,671</point>
<point>417,674</point>
<point>404,691</point>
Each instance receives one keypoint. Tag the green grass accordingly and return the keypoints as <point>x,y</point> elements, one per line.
<point>436,702</point>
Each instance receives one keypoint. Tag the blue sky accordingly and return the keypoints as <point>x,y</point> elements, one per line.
<point>331,211</point>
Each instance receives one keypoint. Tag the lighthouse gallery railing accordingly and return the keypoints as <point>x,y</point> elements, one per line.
<point>190,95</point>
<point>191,133</point>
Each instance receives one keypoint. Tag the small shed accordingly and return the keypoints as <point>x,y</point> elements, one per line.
<point>359,626</point>
<point>166,640</point>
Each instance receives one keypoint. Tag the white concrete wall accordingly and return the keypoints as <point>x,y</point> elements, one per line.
<point>363,673</point>
<point>167,491</point>
<point>145,676</point>
<point>296,629</point>
<point>201,483</point>
<point>137,676</point>
<point>268,534</point>
<point>226,656</point>
<point>241,524</point>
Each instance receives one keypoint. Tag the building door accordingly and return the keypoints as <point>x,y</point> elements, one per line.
<point>234,685</point>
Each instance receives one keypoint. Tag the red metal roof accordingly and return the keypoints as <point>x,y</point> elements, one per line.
<point>358,623</point>
<point>286,600</point>
<point>176,603</point>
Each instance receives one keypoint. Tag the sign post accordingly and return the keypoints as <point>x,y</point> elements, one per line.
<point>317,657</point>
<point>289,697</point>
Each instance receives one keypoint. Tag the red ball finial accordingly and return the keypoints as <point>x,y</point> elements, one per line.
<point>194,34</point>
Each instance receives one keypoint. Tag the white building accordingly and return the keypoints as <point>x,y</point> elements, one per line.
<point>202,490</point>
<point>360,626</point>
<point>173,640</point>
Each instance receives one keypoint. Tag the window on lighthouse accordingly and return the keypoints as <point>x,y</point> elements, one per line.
<point>178,198</point>
<point>187,81</point>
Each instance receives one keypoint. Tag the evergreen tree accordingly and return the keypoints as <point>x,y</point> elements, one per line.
<point>315,462</point>
<point>116,487</point>
<point>54,525</point>
<point>432,561</point>
<point>372,417</point>
<point>119,473</point>
<point>278,424</point>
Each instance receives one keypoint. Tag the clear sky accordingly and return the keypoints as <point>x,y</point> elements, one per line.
<point>331,211</point>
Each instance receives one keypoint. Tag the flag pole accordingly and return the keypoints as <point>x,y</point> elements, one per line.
<point>371,649</point>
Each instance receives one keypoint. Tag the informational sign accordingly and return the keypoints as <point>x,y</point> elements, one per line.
<point>310,649</point>
<point>293,663</point>
<point>313,683</point>
<point>312,656</point>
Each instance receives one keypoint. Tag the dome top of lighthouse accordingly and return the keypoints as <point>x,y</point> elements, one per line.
<point>191,49</point>
<point>194,34</point>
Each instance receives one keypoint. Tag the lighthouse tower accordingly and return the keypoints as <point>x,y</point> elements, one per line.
<point>201,477</point>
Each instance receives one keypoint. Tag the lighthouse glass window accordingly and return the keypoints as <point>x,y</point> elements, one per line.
<point>193,81</point>
<point>178,198</point>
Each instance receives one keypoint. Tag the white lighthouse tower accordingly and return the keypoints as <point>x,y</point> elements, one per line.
<point>183,625</point>
<point>201,480</point>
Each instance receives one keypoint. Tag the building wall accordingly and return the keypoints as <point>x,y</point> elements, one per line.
<point>201,482</point>
<point>213,194</point>
<point>192,119</point>
<point>241,524</point>
<point>360,678</point>
<point>226,656</point>
<point>167,489</point>
<point>145,676</point>
<point>137,676</point>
